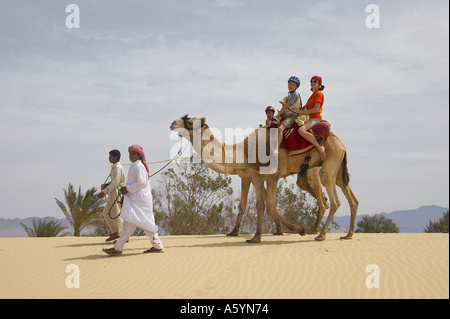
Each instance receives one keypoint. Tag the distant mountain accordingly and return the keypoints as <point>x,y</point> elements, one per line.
<point>408,221</point>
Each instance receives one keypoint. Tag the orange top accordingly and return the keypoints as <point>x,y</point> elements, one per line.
<point>316,97</point>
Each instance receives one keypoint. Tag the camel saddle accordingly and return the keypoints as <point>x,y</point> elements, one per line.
<point>295,144</point>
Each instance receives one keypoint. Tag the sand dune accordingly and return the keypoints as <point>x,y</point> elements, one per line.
<point>288,267</point>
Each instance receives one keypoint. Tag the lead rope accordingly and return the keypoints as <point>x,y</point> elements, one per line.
<point>180,151</point>
<point>117,201</point>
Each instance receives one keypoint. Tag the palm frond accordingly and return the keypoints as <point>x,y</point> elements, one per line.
<point>82,209</point>
<point>43,228</point>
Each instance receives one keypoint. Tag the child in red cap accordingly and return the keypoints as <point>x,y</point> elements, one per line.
<point>271,121</point>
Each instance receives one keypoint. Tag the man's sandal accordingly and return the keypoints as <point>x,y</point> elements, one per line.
<point>153,250</point>
<point>112,252</point>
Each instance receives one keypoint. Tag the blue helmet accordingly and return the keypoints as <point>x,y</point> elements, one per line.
<point>294,79</point>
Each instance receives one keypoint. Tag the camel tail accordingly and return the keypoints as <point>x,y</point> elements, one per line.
<point>344,170</point>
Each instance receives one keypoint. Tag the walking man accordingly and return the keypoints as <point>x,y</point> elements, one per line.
<point>137,210</point>
<point>112,208</point>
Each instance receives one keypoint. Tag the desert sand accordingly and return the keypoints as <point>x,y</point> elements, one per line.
<point>204,267</point>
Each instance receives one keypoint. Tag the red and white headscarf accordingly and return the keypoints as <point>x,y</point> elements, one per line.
<point>138,149</point>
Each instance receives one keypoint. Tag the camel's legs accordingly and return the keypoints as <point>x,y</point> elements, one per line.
<point>272,182</point>
<point>245,187</point>
<point>353,202</point>
<point>329,175</point>
<point>278,232</point>
<point>334,205</point>
<point>258,182</point>
<point>315,191</point>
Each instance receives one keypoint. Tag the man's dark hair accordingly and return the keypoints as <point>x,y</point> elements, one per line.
<point>115,153</point>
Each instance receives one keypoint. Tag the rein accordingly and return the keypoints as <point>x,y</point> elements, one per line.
<point>118,200</point>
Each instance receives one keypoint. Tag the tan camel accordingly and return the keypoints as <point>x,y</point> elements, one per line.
<point>250,164</point>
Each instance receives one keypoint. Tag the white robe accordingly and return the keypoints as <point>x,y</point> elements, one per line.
<point>137,208</point>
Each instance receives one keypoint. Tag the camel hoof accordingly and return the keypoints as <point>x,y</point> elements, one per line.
<point>320,238</point>
<point>314,232</point>
<point>233,234</point>
<point>253,241</point>
<point>346,237</point>
<point>278,233</point>
<point>301,230</point>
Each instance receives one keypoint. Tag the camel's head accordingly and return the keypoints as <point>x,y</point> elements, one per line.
<point>188,125</point>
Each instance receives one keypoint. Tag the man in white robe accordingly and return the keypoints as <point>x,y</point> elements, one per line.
<point>137,209</point>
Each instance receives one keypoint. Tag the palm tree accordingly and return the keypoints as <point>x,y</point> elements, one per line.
<point>82,209</point>
<point>43,228</point>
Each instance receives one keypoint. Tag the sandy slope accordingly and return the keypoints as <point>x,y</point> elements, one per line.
<point>410,266</point>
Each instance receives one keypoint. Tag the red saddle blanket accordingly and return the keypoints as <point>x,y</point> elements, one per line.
<point>297,144</point>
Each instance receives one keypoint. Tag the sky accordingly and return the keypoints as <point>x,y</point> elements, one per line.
<point>70,95</point>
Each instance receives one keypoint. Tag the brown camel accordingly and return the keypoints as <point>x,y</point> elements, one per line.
<point>250,161</point>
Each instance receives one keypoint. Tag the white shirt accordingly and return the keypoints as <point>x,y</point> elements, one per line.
<point>117,178</point>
